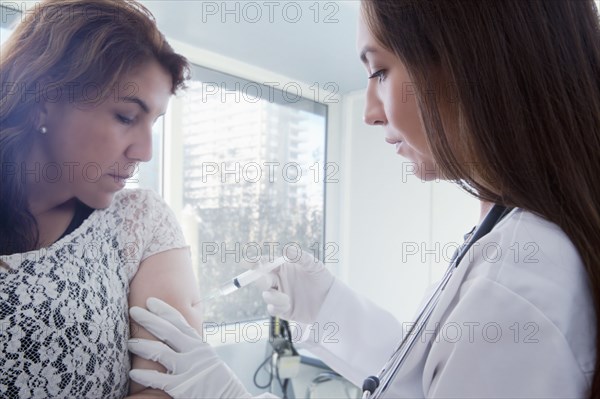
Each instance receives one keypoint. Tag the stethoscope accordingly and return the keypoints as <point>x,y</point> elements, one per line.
<point>376,386</point>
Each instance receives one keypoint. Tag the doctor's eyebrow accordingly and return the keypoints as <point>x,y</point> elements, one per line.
<point>363,54</point>
<point>139,102</point>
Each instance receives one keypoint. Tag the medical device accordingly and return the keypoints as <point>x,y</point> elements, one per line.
<point>376,386</point>
<point>283,362</point>
<point>244,279</point>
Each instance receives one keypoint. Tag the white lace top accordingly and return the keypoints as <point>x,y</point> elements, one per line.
<point>64,319</point>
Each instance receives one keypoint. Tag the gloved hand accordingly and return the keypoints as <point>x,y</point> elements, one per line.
<point>298,287</point>
<point>195,370</point>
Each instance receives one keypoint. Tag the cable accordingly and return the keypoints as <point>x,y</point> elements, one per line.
<point>286,326</point>
<point>264,362</point>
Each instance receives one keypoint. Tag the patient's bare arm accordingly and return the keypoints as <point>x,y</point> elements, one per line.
<point>168,276</point>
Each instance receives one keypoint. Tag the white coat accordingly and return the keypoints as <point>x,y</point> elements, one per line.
<point>509,324</point>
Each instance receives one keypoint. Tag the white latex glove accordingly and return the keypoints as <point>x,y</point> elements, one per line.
<point>297,288</point>
<point>194,369</point>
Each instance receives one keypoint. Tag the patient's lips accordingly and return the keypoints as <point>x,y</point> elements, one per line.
<point>119,180</point>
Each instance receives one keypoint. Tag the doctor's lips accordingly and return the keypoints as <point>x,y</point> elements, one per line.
<point>394,141</point>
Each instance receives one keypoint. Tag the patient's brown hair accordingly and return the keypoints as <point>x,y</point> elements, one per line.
<point>58,50</point>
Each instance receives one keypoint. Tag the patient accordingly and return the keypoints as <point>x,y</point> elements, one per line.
<point>82,84</point>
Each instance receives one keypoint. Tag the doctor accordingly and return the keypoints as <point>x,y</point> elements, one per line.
<point>504,98</point>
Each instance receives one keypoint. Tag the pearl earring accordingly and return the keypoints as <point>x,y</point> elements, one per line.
<point>43,129</point>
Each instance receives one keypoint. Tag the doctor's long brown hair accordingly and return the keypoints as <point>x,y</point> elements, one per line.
<point>522,84</point>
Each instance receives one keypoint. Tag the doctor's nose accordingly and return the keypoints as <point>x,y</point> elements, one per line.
<point>374,113</point>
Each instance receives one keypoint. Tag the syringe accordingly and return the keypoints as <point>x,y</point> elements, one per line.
<point>244,279</point>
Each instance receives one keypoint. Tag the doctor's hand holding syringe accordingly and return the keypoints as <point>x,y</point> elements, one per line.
<point>193,368</point>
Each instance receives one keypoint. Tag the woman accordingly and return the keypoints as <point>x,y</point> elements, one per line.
<point>82,84</point>
<point>506,104</point>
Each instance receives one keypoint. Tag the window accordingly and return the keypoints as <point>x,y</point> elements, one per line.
<point>9,17</point>
<point>252,181</point>
<point>4,33</point>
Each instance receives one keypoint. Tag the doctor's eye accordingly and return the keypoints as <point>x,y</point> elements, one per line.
<point>379,74</point>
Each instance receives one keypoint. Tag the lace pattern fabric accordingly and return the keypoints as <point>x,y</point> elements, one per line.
<point>64,318</point>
